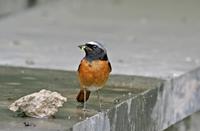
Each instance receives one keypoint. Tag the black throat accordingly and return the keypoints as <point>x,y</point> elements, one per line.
<point>92,57</point>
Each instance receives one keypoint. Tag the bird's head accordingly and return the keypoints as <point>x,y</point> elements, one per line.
<point>94,51</point>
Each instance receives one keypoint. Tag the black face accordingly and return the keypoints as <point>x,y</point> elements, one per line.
<point>95,52</point>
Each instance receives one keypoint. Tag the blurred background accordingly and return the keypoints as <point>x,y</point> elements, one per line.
<point>8,7</point>
<point>159,38</point>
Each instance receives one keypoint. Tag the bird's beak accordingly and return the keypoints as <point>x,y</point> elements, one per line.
<point>82,47</point>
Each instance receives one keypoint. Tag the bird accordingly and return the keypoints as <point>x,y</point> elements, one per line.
<point>93,71</point>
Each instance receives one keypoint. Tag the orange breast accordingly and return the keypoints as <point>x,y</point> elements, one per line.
<point>93,74</point>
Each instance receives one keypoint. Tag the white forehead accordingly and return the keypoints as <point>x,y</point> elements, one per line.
<point>97,44</point>
<point>94,43</point>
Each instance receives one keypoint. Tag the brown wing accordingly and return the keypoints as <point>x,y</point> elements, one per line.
<point>110,66</point>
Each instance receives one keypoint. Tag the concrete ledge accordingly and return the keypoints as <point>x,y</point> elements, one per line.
<point>127,101</point>
<point>152,110</point>
<point>178,99</point>
<point>130,115</point>
<point>145,104</point>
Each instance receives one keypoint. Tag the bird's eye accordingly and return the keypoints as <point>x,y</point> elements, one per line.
<point>95,46</point>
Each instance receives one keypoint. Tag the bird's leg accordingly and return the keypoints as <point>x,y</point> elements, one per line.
<point>98,97</point>
<point>84,95</point>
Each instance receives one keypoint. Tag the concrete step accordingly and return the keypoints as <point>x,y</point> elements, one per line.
<point>126,99</point>
<point>130,103</point>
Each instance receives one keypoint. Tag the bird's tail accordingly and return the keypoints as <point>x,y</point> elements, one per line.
<point>80,96</point>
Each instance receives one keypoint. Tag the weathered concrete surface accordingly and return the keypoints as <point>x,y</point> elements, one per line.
<point>153,110</point>
<point>178,99</point>
<point>145,104</point>
<point>190,123</point>
<point>17,82</point>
